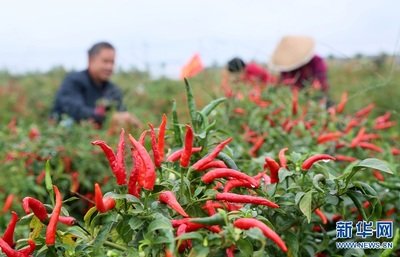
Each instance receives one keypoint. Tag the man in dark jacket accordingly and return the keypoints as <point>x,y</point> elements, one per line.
<point>88,94</point>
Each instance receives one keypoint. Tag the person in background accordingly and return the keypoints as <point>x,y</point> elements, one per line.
<point>250,72</point>
<point>298,65</point>
<point>89,94</point>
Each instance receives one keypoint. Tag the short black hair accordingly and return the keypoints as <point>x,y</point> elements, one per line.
<point>236,65</point>
<point>96,48</point>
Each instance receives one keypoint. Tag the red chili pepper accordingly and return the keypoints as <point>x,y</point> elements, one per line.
<point>175,156</point>
<point>248,223</point>
<point>344,158</point>
<point>390,212</point>
<point>352,123</point>
<point>239,111</point>
<point>317,228</point>
<point>358,138</point>
<point>315,158</point>
<point>150,170</point>
<point>213,165</point>
<point>236,198</point>
<point>137,177</point>
<point>273,167</point>
<point>383,118</point>
<point>378,175</point>
<point>114,161</point>
<point>369,146</point>
<point>370,136</point>
<point>282,157</point>
<point>40,177</point>
<point>10,252</point>
<point>212,155</point>
<point>332,136</point>
<point>365,111</point>
<point>169,198</point>
<point>385,125</point>
<point>27,251</point>
<point>336,218</point>
<point>233,207</point>
<point>102,204</point>
<point>154,146</point>
<point>168,253</point>
<point>191,226</point>
<point>161,136</point>
<point>185,243</point>
<point>342,104</point>
<point>8,203</point>
<point>295,101</point>
<point>395,151</point>
<point>322,216</point>
<point>142,137</point>
<point>225,173</point>
<point>8,235</point>
<point>74,182</point>
<point>210,207</point>
<point>231,184</point>
<point>120,158</point>
<point>67,220</point>
<point>230,252</point>
<point>52,226</point>
<point>256,146</point>
<point>37,207</point>
<point>187,150</point>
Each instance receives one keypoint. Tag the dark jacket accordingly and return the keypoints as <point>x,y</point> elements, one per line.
<point>78,96</point>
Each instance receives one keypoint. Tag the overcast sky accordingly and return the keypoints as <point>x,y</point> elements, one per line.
<point>39,34</point>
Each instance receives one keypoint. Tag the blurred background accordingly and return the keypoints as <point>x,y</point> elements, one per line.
<point>159,36</point>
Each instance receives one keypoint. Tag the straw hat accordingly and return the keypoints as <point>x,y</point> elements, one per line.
<point>292,52</point>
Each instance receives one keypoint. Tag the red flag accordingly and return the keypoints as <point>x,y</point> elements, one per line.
<point>192,67</point>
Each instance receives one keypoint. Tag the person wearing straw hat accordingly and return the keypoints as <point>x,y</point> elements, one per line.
<point>249,72</point>
<point>298,65</point>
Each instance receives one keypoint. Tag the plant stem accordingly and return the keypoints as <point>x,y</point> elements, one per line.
<point>115,246</point>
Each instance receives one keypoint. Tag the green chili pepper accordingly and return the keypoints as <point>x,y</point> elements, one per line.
<point>191,103</point>
<point>212,105</point>
<point>175,121</point>
<point>316,180</point>
<point>216,219</point>
<point>227,160</point>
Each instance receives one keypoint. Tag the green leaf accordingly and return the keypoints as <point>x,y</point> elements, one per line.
<point>376,164</point>
<point>159,224</point>
<point>283,173</point>
<point>36,227</point>
<point>198,191</point>
<point>135,223</point>
<point>128,197</point>
<point>245,247</point>
<point>255,233</point>
<point>199,251</point>
<point>371,163</point>
<point>298,197</point>
<point>305,205</point>
<point>88,215</point>
<point>102,235</point>
<point>292,242</point>
<point>190,235</point>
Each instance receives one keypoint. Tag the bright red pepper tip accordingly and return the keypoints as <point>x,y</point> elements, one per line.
<point>248,223</point>
<point>315,158</point>
<point>52,226</point>
<point>169,198</point>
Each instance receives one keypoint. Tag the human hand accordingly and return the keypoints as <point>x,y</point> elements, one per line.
<point>124,120</point>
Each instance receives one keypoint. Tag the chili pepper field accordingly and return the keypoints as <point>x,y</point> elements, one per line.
<point>217,169</point>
